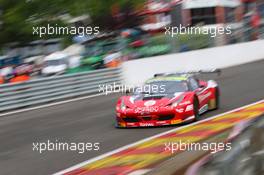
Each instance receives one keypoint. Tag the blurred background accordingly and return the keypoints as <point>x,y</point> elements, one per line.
<point>128,30</point>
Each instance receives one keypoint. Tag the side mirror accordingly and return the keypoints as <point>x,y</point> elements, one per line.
<point>127,92</point>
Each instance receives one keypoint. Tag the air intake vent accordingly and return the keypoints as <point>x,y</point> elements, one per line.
<point>152,97</point>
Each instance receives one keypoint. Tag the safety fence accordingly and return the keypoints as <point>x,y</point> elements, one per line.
<point>45,90</point>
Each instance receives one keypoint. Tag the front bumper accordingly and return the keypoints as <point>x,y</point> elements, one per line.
<point>153,120</point>
<point>148,124</point>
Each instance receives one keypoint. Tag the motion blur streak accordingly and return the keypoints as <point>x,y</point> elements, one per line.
<point>152,152</point>
<point>92,120</point>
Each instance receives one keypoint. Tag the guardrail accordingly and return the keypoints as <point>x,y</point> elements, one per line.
<point>44,90</point>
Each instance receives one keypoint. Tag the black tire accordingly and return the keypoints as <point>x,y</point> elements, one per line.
<point>196,108</point>
<point>117,126</point>
<point>116,123</point>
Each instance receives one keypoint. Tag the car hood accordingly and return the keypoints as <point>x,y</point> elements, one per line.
<point>151,100</point>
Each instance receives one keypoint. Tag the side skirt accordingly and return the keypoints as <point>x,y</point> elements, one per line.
<point>203,109</point>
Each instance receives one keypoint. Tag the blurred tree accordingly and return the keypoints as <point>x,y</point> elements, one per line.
<point>109,14</point>
<point>19,16</point>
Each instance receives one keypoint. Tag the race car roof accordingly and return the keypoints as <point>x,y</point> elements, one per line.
<point>169,78</point>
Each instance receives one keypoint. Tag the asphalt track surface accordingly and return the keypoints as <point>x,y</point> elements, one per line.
<point>92,120</point>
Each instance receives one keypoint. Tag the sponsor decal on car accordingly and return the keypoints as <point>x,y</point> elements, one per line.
<point>146,110</point>
<point>181,110</point>
<point>203,109</point>
<point>185,103</point>
<point>173,122</point>
<point>146,124</point>
<point>189,108</point>
<point>203,97</point>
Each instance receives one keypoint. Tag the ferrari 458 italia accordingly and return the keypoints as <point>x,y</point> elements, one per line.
<point>167,99</point>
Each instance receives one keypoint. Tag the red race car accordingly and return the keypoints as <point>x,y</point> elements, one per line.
<point>168,99</point>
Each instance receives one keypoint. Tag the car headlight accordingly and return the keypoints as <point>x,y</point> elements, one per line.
<point>175,104</point>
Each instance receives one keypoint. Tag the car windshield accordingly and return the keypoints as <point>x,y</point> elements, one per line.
<point>55,62</point>
<point>163,87</point>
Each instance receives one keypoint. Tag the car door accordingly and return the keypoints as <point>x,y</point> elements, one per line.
<point>203,94</point>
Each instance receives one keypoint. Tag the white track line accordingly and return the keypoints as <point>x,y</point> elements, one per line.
<point>140,172</point>
<point>50,105</point>
<point>145,140</point>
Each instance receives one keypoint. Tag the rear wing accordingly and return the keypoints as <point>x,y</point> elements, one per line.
<point>196,72</point>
